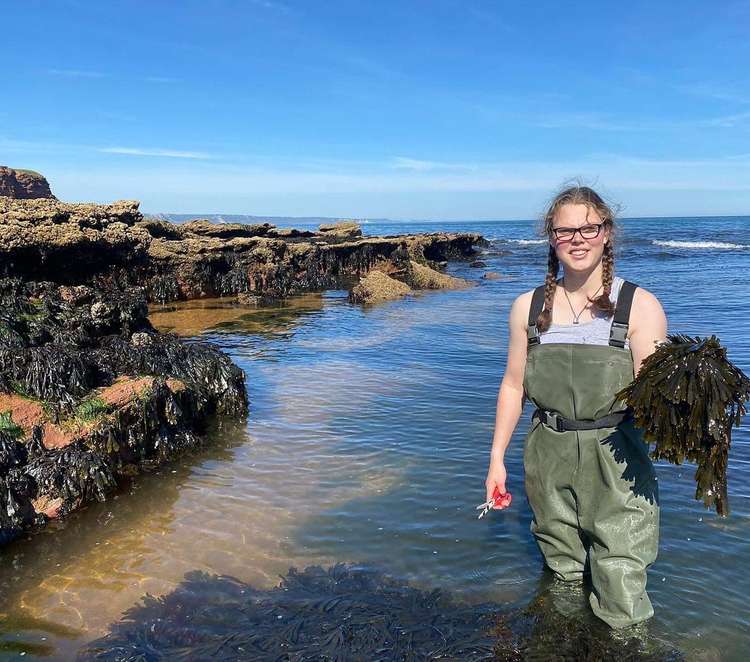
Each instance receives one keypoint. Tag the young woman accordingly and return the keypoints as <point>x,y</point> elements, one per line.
<point>574,343</point>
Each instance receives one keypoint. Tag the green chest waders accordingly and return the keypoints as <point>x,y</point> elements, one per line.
<point>589,480</point>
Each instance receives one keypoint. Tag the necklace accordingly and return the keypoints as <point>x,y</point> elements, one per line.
<point>576,317</point>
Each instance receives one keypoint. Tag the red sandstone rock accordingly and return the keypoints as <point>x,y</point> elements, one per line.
<point>27,413</point>
<point>23,184</point>
<point>48,506</point>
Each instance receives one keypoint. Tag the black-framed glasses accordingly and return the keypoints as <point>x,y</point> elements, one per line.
<point>590,231</point>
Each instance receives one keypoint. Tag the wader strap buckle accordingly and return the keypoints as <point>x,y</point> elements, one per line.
<point>551,419</point>
<point>617,334</point>
<point>618,331</point>
<point>532,335</point>
<point>535,309</point>
<point>559,423</point>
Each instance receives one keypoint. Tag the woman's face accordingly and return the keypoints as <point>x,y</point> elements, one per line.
<point>578,252</point>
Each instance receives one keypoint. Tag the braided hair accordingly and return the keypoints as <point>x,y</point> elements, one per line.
<point>578,195</point>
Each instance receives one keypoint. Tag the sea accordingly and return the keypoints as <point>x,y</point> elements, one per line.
<point>368,442</point>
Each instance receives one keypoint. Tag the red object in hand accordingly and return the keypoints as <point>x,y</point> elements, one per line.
<point>501,500</point>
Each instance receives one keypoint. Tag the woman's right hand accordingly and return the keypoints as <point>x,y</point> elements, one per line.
<point>496,477</point>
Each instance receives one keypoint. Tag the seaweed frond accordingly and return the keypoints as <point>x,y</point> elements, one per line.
<point>686,398</point>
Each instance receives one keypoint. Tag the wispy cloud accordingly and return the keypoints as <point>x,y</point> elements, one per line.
<point>76,73</point>
<point>596,122</point>
<point>593,121</point>
<point>419,165</point>
<point>728,121</point>
<point>511,189</point>
<point>714,91</point>
<point>43,147</point>
<point>168,153</point>
<point>200,173</point>
<point>161,79</point>
<point>272,5</point>
<point>373,68</point>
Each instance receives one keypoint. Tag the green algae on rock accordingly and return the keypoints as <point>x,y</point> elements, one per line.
<point>686,398</point>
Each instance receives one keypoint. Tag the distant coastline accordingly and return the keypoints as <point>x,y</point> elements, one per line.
<point>316,220</point>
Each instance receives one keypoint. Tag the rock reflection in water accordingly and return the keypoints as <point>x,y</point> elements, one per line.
<point>191,318</point>
<point>350,612</point>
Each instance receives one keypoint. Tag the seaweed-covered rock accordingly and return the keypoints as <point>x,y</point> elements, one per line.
<point>90,393</point>
<point>205,228</point>
<point>16,509</point>
<point>376,287</point>
<point>341,231</point>
<point>70,244</point>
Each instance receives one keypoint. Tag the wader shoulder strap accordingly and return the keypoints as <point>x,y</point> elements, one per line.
<point>537,303</point>
<point>619,329</point>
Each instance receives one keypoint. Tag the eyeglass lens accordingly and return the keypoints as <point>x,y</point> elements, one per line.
<point>587,232</point>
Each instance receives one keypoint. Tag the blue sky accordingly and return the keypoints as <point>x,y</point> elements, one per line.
<point>445,109</point>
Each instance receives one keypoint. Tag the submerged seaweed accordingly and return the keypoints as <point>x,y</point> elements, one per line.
<point>686,398</point>
<point>349,612</point>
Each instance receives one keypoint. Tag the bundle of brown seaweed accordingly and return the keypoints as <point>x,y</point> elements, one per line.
<point>686,397</point>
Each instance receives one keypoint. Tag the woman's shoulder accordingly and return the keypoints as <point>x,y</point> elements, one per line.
<point>643,298</point>
<point>519,310</point>
<point>646,308</point>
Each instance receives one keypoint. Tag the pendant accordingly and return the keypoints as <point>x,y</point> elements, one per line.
<point>575,321</point>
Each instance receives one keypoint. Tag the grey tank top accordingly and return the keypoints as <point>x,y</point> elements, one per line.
<point>595,332</point>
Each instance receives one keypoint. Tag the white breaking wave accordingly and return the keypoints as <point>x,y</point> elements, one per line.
<point>528,241</point>
<point>697,244</point>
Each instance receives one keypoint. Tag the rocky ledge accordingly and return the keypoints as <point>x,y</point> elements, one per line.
<point>90,393</point>
<point>23,184</point>
<point>113,245</point>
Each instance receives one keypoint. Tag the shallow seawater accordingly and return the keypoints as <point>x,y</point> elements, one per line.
<point>367,441</point>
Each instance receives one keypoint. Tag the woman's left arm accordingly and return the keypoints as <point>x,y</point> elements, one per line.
<point>648,326</point>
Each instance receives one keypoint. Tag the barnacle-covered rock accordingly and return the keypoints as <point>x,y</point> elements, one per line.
<point>376,287</point>
<point>686,398</point>
<point>424,278</point>
<point>102,246</point>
